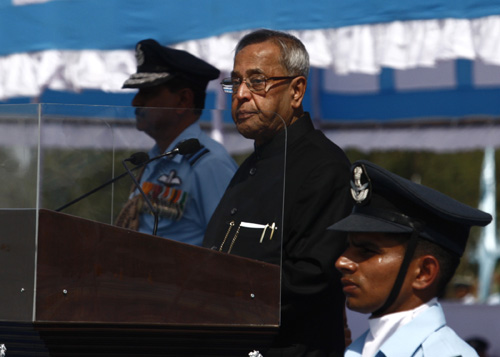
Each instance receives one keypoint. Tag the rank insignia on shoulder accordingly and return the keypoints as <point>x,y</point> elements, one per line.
<point>360,185</point>
<point>193,158</point>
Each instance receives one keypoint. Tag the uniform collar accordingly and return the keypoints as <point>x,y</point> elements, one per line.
<point>382,328</point>
<point>414,333</point>
<point>406,340</point>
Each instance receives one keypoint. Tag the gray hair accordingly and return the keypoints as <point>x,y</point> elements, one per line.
<point>294,57</point>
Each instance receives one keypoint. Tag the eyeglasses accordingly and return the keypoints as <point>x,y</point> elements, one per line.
<point>255,83</point>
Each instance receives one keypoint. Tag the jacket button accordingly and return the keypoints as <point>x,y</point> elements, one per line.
<point>253,170</point>
<point>233,211</point>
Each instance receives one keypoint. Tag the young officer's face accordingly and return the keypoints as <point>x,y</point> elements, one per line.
<point>369,267</point>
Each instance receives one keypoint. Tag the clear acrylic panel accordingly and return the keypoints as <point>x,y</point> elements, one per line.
<point>81,266</point>
<point>19,144</point>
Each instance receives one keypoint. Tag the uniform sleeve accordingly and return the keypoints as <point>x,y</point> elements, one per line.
<point>212,176</point>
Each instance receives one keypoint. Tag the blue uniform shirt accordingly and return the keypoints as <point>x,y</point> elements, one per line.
<point>185,189</point>
<point>425,336</point>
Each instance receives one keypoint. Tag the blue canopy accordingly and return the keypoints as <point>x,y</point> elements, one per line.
<point>372,59</point>
<point>119,24</point>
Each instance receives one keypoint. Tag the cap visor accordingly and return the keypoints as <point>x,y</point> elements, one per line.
<point>362,223</point>
<point>144,80</point>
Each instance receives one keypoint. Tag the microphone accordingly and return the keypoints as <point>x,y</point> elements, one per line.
<point>185,147</point>
<point>138,186</point>
<point>188,146</point>
<point>138,158</point>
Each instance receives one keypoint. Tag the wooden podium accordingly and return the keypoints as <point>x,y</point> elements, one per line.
<point>74,287</point>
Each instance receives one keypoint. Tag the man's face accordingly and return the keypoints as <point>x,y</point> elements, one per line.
<point>151,115</point>
<point>254,113</point>
<point>369,267</point>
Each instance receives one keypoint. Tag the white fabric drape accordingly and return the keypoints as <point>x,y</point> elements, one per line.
<point>353,49</point>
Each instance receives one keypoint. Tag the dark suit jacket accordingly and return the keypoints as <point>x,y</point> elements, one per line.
<point>316,191</point>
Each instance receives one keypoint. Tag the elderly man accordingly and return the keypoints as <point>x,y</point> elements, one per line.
<point>183,189</point>
<point>405,242</point>
<point>255,219</point>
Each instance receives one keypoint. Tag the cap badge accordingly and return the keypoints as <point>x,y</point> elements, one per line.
<point>139,55</point>
<point>359,190</point>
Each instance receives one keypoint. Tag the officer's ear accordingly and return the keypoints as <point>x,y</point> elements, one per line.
<point>426,272</point>
<point>297,91</point>
<point>185,100</point>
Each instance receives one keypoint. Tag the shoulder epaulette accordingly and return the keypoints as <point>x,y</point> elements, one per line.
<point>192,158</point>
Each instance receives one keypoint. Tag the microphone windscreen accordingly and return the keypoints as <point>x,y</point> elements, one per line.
<point>188,146</point>
<point>138,158</point>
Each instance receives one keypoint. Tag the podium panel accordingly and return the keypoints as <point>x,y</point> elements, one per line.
<point>17,264</point>
<point>94,272</point>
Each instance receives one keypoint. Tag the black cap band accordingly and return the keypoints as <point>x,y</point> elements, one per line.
<point>386,215</point>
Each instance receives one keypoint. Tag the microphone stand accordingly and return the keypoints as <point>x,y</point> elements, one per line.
<point>150,205</point>
<point>96,189</point>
